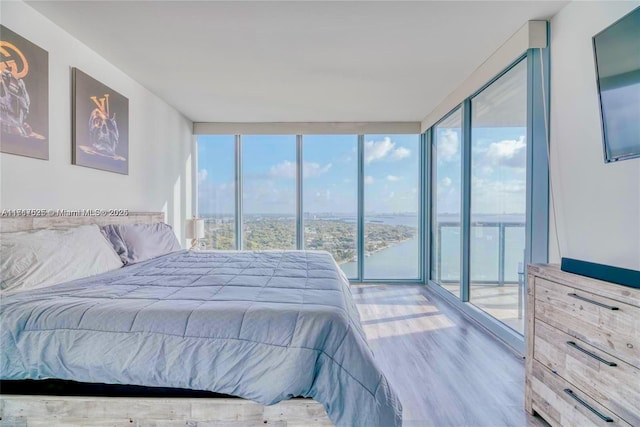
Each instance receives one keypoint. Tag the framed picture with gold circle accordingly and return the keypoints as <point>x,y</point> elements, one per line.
<point>24,96</point>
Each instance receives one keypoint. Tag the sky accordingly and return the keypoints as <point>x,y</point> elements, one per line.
<point>498,166</point>
<point>391,173</point>
<point>329,170</point>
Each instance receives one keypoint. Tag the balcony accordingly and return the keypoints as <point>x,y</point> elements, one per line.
<point>497,267</point>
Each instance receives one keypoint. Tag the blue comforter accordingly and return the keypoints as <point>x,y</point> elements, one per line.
<point>265,326</point>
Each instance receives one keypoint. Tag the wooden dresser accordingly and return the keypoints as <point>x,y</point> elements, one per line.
<point>583,350</point>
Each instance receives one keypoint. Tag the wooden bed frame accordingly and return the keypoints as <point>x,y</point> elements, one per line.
<point>57,411</point>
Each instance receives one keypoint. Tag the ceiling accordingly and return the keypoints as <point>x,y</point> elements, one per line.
<point>300,61</point>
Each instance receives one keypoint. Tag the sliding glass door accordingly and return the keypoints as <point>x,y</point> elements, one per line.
<point>498,197</point>
<point>490,196</point>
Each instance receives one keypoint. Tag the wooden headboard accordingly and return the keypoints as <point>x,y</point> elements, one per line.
<point>25,223</point>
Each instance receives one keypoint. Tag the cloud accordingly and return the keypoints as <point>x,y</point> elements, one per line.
<point>448,144</point>
<point>400,153</point>
<point>510,152</point>
<point>314,169</point>
<point>380,150</point>
<point>393,178</point>
<point>446,181</point>
<point>285,169</point>
<point>202,175</point>
<point>368,179</point>
<point>377,150</point>
<point>288,169</point>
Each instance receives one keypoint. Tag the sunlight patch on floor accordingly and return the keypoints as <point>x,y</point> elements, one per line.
<point>391,327</point>
<point>368,312</point>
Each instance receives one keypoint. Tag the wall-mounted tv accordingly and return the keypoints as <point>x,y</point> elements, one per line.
<point>617,55</point>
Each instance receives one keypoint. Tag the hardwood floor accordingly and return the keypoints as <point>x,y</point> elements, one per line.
<point>447,370</point>
<point>505,303</point>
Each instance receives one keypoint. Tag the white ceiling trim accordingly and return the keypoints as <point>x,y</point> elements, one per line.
<point>306,128</point>
<point>532,35</point>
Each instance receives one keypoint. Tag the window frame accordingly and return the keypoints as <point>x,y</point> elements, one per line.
<point>239,209</point>
<point>431,132</point>
<point>537,188</point>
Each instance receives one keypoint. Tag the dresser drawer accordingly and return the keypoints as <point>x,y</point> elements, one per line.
<point>613,383</point>
<point>562,404</point>
<point>608,325</point>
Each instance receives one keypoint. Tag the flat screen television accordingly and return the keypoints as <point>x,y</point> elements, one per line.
<point>617,57</point>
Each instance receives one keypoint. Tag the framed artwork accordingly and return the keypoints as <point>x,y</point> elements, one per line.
<point>24,96</point>
<point>100,125</point>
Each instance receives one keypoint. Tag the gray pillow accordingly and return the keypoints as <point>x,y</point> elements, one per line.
<point>139,242</point>
<point>38,258</point>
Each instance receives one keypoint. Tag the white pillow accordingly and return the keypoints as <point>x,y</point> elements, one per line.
<point>39,258</point>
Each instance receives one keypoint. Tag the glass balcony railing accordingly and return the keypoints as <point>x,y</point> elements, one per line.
<point>499,247</point>
<point>497,266</point>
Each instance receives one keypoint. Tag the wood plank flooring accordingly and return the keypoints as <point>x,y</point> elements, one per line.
<point>447,370</point>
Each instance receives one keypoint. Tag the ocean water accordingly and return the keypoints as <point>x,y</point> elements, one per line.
<point>400,261</point>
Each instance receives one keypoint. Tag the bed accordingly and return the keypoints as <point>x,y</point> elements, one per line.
<point>265,326</point>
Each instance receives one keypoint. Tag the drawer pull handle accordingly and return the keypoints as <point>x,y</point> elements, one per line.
<point>588,353</point>
<point>608,307</point>
<point>589,407</point>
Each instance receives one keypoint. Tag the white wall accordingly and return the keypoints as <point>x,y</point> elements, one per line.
<point>598,204</point>
<point>159,138</point>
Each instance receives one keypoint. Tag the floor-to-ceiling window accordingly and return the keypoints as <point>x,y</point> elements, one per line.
<point>355,196</point>
<point>216,190</point>
<point>490,195</point>
<point>391,207</point>
<point>446,207</point>
<point>361,197</point>
<point>330,197</point>
<point>269,179</point>
<point>498,197</point>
